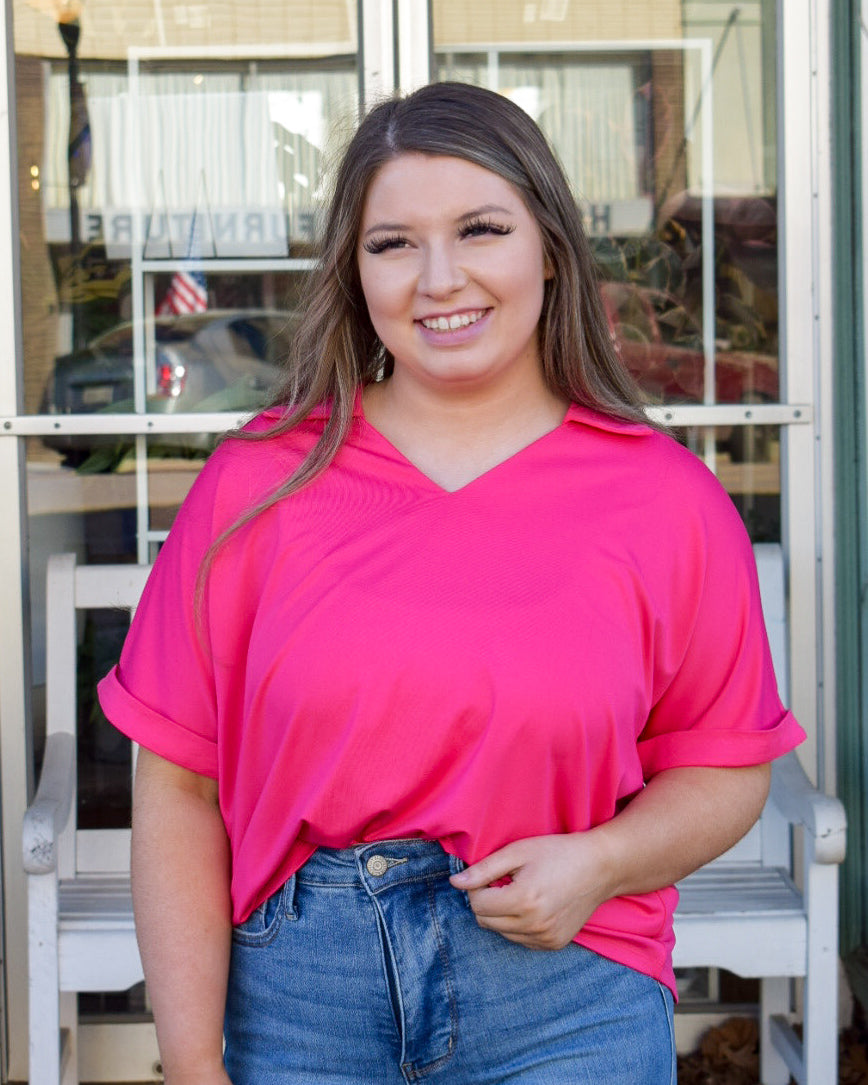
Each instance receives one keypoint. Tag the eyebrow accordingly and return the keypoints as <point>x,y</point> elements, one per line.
<point>485,209</point>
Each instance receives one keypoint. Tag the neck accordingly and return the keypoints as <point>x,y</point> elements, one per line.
<point>455,437</point>
<point>466,411</point>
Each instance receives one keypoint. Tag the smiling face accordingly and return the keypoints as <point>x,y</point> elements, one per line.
<point>453,270</point>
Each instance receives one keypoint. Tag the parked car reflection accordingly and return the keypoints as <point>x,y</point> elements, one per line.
<point>662,346</point>
<point>218,360</point>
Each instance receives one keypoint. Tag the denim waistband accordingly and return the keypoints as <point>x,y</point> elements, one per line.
<point>378,865</point>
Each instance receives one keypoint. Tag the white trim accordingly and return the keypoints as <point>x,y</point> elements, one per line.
<point>143,500</point>
<point>414,45</point>
<point>824,517</point>
<point>16,752</point>
<point>16,761</point>
<point>709,307</point>
<point>42,425</point>
<point>620,45</point>
<point>378,50</point>
<point>759,414</point>
<point>804,288</point>
<point>10,299</point>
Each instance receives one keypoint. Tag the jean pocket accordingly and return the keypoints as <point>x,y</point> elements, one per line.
<point>263,923</point>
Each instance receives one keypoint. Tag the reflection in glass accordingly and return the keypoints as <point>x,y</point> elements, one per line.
<point>104,755</point>
<point>171,473</point>
<point>238,149</point>
<point>95,517</point>
<point>235,152</point>
<point>217,360</point>
<point>198,157</point>
<point>662,345</point>
<point>670,148</point>
<point>747,460</point>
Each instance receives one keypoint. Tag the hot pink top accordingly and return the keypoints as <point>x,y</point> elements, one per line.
<point>376,657</point>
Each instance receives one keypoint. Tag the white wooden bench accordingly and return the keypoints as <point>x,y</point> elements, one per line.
<point>80,915</point>
<point>743,912</point>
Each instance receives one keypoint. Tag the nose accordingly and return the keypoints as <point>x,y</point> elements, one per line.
<point>441,274</point>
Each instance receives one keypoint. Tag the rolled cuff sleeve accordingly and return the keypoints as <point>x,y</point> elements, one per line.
<point>715,700</point>
<point>164,737</point>
<point>724,749</point>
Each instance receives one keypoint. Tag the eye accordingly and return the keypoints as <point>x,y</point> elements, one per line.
<point>376,245</point>
<point>479,227</point>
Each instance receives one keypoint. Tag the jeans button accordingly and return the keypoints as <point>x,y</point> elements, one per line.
<point>377,866</point>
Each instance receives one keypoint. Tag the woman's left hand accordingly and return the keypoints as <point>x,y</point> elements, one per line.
<point>681,819</point>
<point>556,883</point>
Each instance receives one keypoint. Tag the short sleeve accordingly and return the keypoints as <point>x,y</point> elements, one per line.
<point>162,692</point>
<point>716,700</point>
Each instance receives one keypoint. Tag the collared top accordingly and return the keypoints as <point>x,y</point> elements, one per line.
<point>376,657</point>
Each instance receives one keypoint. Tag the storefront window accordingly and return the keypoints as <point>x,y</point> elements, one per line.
<point>153,137</point>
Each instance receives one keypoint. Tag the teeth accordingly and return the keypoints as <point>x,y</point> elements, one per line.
<point>451,323</point>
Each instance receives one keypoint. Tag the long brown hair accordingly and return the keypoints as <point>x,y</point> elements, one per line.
<point>336,350</point>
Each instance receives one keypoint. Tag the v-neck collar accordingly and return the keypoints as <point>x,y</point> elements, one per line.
<point>576,415</point>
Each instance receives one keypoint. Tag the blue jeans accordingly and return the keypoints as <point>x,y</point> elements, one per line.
<point>368,967</point>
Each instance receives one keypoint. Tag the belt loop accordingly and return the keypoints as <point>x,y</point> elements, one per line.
<point>290,908</point>
<point>456,865</point>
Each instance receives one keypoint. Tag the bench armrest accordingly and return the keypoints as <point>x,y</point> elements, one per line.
<point>802,804</point>
<point>47,815</point>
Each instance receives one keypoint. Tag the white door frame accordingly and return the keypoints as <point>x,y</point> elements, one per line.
<point>805,295</point>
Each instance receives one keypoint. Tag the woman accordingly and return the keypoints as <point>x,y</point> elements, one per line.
<point>466,662</point>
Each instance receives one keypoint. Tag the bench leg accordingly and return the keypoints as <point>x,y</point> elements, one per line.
<point>821,982</point>
<point>45,1040</point>
<point>774,1000</point>
<point>69,1027</point>
<point>44,981</point>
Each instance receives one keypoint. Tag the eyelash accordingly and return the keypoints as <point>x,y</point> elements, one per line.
<point>377,245</point>
<point>474,228</point>
<point>479,226</point>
